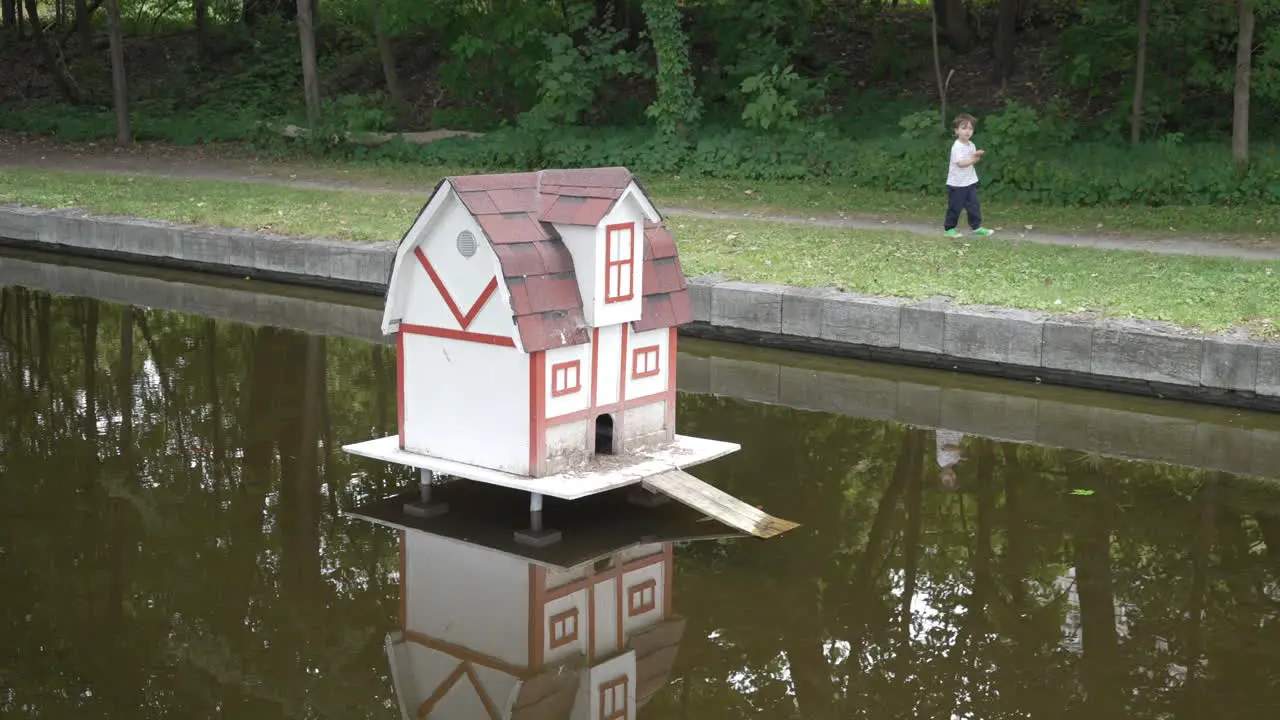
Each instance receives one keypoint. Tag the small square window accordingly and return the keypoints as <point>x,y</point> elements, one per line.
<point>564,628</point>
<point>613,699</point>
<point>642,598</point>
<point>644,362</point>
<point>566,378</point>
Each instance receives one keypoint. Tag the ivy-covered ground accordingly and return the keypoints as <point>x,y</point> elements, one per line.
<point>1055,273</point>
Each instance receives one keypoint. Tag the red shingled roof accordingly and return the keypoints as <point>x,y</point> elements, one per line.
<point>516,212</point>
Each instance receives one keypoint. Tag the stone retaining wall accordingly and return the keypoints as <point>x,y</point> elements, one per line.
<point>1142,430</point>
<point>1125,355</point>
<point>1112,354</point>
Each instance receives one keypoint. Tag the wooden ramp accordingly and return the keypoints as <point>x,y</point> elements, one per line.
<point>687,489</point>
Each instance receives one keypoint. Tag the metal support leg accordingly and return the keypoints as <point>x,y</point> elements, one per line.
<point>536,535</point>
<point>424,507</point>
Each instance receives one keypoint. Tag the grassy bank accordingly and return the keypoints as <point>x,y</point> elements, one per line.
<point>1212,293</point>
<point>813,198</point>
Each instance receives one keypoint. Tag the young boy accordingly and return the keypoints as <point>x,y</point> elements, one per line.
<point>962,180</point>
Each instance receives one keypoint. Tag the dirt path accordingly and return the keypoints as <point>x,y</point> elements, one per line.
<point>219,164</point>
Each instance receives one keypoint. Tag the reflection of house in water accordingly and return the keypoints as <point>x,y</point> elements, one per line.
<point>494,628</point>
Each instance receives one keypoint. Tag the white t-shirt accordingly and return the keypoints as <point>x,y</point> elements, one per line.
<point>962,176</point>
<point>949,451</point>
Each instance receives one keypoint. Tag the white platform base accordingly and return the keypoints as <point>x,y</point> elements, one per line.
<point>611,472</point>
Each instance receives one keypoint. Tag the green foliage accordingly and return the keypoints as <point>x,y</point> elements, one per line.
<point>1029,161</point>
<point>573,81</point>
<point>777,97</point>
<point>677,108</point>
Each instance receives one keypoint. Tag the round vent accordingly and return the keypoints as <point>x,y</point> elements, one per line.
<point>466,244</point>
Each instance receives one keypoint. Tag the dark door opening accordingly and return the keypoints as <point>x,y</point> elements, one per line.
<point>604,435</point>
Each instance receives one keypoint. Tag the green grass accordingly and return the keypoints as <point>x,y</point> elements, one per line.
<point>269,208</point>
<point>813,199</point>
<point>1212,293</point>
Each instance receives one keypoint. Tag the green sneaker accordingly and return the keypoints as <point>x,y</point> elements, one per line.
<point>952,233</point>
<point>983,232</point>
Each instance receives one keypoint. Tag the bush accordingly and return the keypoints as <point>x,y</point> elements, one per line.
<point>1023,166</point>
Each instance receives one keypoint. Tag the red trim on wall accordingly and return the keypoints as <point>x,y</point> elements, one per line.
<point>490,708</point>
<point>400,384</point>
<point>591,615</point>
<point>591,413</point>
<point>595,363</point>
<point>668,579</point>
<point>671,383</point>
<point>617,595</point>
<point>458,335</point>
<point>624,266</point>
<point>622,369</point>
<point>537,413</point>
<point>404,583</point>
<point>463,320</point>
<point>613,573</point>
<point>648,350</point>
<point>537,611</point>
<point>559,390</point>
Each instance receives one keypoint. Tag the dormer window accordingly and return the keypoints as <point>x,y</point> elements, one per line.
<point>619,267</point>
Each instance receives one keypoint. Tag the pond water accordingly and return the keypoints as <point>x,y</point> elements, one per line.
<point>173,544</point>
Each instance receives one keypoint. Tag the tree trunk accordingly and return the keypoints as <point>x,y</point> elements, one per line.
<point>388,63</point>
<point>83,28</point>
<point>1244,67</point>
<point>1006,35</point>
<point>937,70</point>
<point>310,77</point>
<point>119,84</point>
<point>201,8</point>
<point>1139,72</point>
<point>956,23</point>
<point>9,12</point>
<point>62,78</point>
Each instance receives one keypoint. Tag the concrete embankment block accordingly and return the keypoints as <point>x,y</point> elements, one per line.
<point>995,415</point>
<point>145,237</point>
<point>700,295</point>
<point>802,310</point>
<point>1147,350</point>
<point>998,335</point>
<point>693,373</point>
<point>1268,376</point>
<point>924,326</point>
<point>1067,344</point>
<point>832,392</point>
<point>862,320</point>
<point>748,306</point>
<point>745,379</point>
<point>20,223</point>
<point>364,264</point>
<point>1230,363</point>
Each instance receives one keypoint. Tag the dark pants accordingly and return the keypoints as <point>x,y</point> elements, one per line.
<point>963,198</point>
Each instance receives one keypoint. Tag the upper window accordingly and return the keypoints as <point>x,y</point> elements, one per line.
<point>619,268</point>
<point>644,362</point>
<point>566,378</point>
